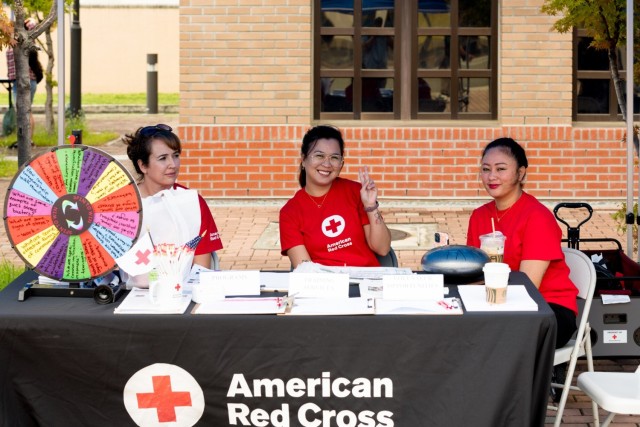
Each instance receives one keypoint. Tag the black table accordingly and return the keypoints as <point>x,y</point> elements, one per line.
<point>65,362</point>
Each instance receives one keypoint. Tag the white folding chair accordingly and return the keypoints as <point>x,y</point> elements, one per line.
<point>583,275</point>
<point>615,392</point>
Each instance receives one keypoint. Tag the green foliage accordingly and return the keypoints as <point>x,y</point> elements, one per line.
<point>114,98</point>
<point>8,168</point>
<point>43,139</point>
<point>8,272</point>
<point>620,217</point>
<point>604,20</point>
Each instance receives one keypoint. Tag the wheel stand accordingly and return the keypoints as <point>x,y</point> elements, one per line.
<point>103,294</point>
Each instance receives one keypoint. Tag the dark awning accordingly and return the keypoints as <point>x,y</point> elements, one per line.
<point>430,6</point>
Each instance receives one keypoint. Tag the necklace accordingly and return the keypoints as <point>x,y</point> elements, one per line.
<point>315,202</point>
<point>506,211</point>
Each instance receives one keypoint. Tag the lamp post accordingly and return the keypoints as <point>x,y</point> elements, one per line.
<point>76,60</point>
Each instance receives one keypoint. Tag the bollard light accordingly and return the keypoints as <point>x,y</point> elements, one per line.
<point>152,83</point>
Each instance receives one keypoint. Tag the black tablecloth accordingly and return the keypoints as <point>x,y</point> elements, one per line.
<point>65,362</point>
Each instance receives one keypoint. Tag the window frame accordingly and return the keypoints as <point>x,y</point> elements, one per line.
<point>613,115</point>
<point>405,33</point>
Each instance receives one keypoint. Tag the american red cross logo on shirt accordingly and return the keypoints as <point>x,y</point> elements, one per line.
<point>143,257</point>
<point>164,399</point>
<point>333,226</point>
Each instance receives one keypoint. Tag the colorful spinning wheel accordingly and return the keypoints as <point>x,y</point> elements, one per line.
<point>71,211</point>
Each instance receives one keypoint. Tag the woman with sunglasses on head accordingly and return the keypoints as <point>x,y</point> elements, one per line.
<point>533,235</point>
<point>331,220</point>
<point>168,207</point>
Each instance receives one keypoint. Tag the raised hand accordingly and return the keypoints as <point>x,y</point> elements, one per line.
<point>369,191</point>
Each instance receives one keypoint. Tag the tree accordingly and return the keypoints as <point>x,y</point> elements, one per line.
<point>23,42</point>
<point>39,8</point>
<point>604,21</point>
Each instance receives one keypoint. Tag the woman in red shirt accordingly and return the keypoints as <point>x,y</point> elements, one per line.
<point>331,220</point>
<point>533,235</point>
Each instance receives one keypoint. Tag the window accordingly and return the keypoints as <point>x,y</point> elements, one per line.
<point>595,96</point>
<point>386,59</point>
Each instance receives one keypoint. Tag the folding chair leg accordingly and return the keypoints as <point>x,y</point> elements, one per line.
<point>607,420</point>
<point>566,388</point>
<point>589,354</point>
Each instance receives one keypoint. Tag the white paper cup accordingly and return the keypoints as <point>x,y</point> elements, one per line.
<point>166,290</point>
<point>496,279</point>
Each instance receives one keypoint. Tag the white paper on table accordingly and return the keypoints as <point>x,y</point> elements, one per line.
<point>319,285</point>
<point>138,302</point>
<point>615,299</point>
<point>373,289</point>
<point>518,299</point>
<point>232,282</point>
<point>332,307</point>
<point>415,307</point>
<point>370,288</point>
<point>415,286</point>
<point>357,274</point>
<point>270,305</point>
<point>274,282</point>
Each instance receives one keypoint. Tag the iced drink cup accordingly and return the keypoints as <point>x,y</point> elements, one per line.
<point>496,278</point>
<point>493,245</point>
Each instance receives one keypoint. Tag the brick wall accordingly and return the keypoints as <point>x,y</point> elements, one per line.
<point>245,62</point>
<point>535,71</point>
<point>246,103</point>
<point>433,163</point>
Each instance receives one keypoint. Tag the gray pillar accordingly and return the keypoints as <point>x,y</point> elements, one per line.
<point>76,62</point>
<point>152,83</point>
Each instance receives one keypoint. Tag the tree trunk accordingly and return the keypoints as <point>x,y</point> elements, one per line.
<point>48,104</point>
<point>23,89</point>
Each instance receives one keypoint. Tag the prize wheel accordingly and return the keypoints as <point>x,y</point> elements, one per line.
<point>70,212</point>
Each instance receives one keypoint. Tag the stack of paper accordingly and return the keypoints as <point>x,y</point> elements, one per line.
<point>271,305</point>
<point>138,302</point>
<point>331,307</point>
<point>274,282</point>
<point>518,299</point>
<point>418,307</point>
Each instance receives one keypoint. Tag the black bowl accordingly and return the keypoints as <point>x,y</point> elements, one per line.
<point>458,263</point>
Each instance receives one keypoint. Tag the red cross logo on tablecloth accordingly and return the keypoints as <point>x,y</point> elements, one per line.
<point>143,257</point>
<point>163,394</point>
<point>333,226</point>
<point>178,287</point>
<point>164,399</point>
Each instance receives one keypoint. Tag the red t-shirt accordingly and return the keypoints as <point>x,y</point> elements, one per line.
<point>332,234</point>
<point>211,240</point>
<point>532,234</point>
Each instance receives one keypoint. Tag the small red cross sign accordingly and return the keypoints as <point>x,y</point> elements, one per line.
<point>333,226</point>
<point>164,399</point>
<point>143,257</point>
<point>178,287</point>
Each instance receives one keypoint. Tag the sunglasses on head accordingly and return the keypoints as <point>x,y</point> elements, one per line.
<point>152,130</point>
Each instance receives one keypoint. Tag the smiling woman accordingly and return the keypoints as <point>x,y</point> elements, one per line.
<point>532,243</point>
<point>171,212</point>
<point>331,220</point>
